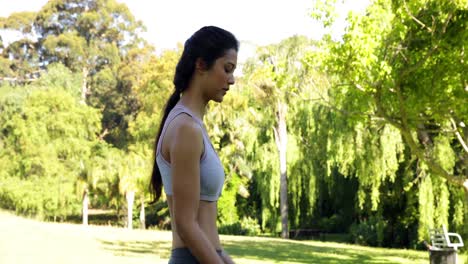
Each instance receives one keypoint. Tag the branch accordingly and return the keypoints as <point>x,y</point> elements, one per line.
<point>331,106</point>
<point>434,48</point>
<point>104,133</point>
<point>421,153</point>
<point>432,164</point>
<point>459,136</point>
<point>415,19</point>
<point>359,87</point>
<point>9,79</point>
<point>413,67</point>
<point>324,102</point>
<point>380,109</point>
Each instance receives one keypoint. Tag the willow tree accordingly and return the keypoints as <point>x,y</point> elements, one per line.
<point>403,62</point>
<point>278,74</point>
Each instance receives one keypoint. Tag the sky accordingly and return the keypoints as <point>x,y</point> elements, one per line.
<point>253,22</point>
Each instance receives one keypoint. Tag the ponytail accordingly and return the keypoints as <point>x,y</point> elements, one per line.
<point>156,180</point>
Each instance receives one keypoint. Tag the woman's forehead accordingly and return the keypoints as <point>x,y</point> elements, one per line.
<point>230,56</point>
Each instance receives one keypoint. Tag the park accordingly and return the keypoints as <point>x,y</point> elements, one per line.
<point>337,149</point>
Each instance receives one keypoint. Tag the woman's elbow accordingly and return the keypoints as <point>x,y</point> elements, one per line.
<point>184,227</point>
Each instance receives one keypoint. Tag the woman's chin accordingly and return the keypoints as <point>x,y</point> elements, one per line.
<point>218,98</point>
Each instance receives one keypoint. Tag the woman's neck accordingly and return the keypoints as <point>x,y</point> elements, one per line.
<point>194,103</point>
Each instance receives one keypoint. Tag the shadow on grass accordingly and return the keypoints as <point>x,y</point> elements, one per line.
<point>138,248</point>
<point>279,252</point>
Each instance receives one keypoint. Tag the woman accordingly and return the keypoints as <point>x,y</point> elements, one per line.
<point>186,163</point>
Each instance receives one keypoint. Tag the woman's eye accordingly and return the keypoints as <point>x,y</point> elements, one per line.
<point>229,68</point>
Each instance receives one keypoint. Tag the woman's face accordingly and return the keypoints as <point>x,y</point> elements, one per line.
<point>220,76</point>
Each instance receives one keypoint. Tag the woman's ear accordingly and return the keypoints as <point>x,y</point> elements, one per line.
<point>200,65</point>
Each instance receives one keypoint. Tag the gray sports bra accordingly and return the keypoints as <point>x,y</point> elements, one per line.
<point>211,170</point>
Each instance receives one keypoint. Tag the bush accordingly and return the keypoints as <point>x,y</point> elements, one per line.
<point>369,232</point>
<point>227,209</point>
<point>157,216</point>
<point>332,224</point>
<point>231,229</point>
<point>39,197</point>
<point>251,226</point>
<point>246,227</point>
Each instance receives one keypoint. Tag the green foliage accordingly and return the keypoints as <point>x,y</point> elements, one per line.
<point>246,227</point>
<point>96,39</point>
<point>397,77</point>
<point>227,210</point>
<point>152,92</point>
<point>21,21</point>
<point>369,232</point>
<point>60,77</point>
<point>45,133</point>
<point>27,197</point>
<point>426,207</point>
<point>373,121</point>
<point>325,12</point>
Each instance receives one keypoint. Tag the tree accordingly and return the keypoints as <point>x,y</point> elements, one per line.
<point>402,63</point>
<point>152,88</point>
<point>279,75</point>
<point>95,38</point>
<point>133,175</point>
<point>46,133</point>
<point>19,61</point>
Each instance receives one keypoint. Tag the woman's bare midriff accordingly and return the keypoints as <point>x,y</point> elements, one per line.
<point>207,213</point>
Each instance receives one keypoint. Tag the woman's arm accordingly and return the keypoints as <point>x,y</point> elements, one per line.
<point>185,153</point>
<point>226,258</point>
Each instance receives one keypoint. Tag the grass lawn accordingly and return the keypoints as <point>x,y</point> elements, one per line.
<point>27,241</point>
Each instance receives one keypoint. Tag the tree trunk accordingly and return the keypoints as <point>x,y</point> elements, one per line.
<point>85,207</point>
<point>130,195</point>
<point>84,86</point>
<point>465,219</point>
<point>142,212</point>
<point>281,138</point>
<point>465,183</point>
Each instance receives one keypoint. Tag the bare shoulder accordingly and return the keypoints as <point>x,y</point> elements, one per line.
<point>185,125</point>
<point>186,133</point>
